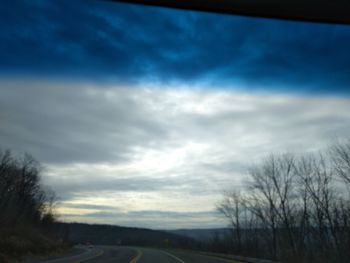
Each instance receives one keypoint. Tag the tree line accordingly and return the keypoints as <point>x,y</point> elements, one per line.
<point>293,208</point>
<point>23,199</point>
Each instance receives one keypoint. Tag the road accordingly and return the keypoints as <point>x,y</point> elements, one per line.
<point>111,254</point>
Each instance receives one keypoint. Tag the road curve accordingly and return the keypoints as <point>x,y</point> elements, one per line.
<point>87,254</point>
<point>114,254</point>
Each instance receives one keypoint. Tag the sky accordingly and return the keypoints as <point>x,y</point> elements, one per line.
<point>143,116</point>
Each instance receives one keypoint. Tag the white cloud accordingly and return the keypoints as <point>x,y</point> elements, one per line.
<point>156,149</point>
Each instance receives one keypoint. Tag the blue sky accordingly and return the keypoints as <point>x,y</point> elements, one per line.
<point>103,41</point>
<point>143,116</point>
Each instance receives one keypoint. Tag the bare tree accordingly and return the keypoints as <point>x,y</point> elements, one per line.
<point>340,155</point>
<point>232,207</point>
<point>296,206</point>
<point>23,200</point>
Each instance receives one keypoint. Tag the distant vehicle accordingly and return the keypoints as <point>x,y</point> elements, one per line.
<point>89,245</point>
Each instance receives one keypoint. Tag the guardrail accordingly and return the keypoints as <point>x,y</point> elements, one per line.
<point>240,258</point>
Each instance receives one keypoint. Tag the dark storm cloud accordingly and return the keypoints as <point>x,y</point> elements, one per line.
<point>108,41</point>
<point>153,219</point>
<point>89,206</point>
<point>69,189</point>
<point>173,214</point>
<point>158,214</point>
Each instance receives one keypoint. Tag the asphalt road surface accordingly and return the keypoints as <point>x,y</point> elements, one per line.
<point>113,254</point>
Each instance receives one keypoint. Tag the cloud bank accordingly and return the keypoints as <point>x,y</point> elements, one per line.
<point>156,157</point>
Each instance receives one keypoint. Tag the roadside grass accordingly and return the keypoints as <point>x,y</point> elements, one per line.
<point>24,242</point>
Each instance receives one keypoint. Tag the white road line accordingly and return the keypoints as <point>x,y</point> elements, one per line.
<point>175,257</point>
<point>77,258</point>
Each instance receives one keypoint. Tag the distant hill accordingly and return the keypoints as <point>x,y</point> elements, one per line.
<point>118,235</point>
<point>201,234</point>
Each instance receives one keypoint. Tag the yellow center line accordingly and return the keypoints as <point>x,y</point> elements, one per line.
<point>137,257</point>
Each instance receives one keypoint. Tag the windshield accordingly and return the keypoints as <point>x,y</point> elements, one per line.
<point>147,117</point>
